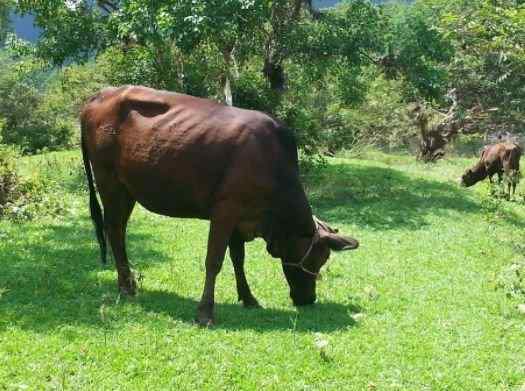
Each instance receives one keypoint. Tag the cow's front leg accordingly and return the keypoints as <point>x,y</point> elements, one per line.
<point>237,256</point>
<point>221,227</point>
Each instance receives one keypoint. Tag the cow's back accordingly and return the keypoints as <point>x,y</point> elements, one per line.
<point>500,157</point>
<point>178,155</point>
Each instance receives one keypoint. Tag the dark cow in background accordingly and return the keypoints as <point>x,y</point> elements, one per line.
<point>182,156</point>
<point>501,158</point>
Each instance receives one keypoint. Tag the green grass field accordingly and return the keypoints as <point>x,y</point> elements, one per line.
<point>416,307</point>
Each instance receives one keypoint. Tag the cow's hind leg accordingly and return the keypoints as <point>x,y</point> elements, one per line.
<point>237,256</point>
<point>118,205</point>
<point>514,182</point>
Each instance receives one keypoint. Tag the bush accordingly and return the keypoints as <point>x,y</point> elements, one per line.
<point>381,120</point>
<point>251,90</point>
<point>40,106</point>
<point>9,180</point>
<point>31,122</point>
<point>24,197</point>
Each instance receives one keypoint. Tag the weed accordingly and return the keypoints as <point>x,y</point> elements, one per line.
<point>512,280</point>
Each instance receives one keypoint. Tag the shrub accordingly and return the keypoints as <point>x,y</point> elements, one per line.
<point>44,192</point>
<point>9,180</point>
<point>40,106</point>
<point>31,121</point>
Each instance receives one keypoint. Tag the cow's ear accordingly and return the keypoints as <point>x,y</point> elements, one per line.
<point>323,226</point>
<point>329,237</point>
<point>339,243</point>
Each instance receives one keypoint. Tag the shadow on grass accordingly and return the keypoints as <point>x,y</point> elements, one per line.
<point>50,279</point>
<point>322,317</point>
<point>383,198</point>
<point>49,274</point>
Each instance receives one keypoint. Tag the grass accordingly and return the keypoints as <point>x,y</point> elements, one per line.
<point>416,307</point>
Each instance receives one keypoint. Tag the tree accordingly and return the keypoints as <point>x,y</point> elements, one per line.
<point>413,48</point>
<point>161,31</point>
<point>5,25</point>
<point>39,106</point>
<point>489,68</point>
<point>281,56</point>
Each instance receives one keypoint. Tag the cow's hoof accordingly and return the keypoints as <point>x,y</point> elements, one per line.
<point>205,321</point>
<point>129,288</point>
<point>127,291</point>
<point>251,303</point>
<point>205,315</point>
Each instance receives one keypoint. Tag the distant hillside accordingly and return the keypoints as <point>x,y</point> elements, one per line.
<point>325,3</point>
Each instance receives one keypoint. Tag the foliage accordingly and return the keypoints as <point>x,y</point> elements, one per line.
<point>40,105</point>
<point>74,29</point>
<point>415,50</point>
<point>5,26</point>
<point>9,181</point>
<point>22,198</point>
<point>317,70</point>
<point>31,122</point>
<point>72,86</point>
<point>488,70</point>
<point>380,121</point>
<point>39,189</point>
<point>225,50</point>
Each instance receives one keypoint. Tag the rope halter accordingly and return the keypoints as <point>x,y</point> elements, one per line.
<point>300,264</point>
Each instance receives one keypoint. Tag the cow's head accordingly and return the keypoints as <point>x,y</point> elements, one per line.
<point>467,179</point>
<point>303,258</point>
<point>472,176</point>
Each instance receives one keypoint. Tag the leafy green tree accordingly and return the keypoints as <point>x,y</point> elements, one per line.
<point>489,68</point>
<point>414,49</point>
<point>5,25</point>
<point>39,106</point>
<point>166,32</point>
<point>159,33</point>
<point>281,56</point>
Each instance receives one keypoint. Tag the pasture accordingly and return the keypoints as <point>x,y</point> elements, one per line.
<point>423,304</point>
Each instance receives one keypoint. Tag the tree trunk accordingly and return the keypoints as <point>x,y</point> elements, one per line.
<point>226,77</point>
<point>228,98</point>
<point>274,73</point>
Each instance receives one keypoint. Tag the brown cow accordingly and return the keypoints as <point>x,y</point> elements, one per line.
<point>182,156</point>
<point>496,159</point>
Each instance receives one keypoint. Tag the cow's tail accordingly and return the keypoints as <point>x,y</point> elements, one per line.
<point>96,212</point>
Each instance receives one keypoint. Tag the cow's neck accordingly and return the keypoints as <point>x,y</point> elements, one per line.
<point>291,216</point>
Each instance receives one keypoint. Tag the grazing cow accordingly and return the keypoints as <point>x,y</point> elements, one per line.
<point>182,156</point>
<point>496,159</point>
